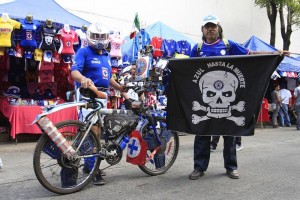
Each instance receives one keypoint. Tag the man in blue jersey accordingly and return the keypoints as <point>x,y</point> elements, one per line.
<point>214,44</point>
<point>92,69</point>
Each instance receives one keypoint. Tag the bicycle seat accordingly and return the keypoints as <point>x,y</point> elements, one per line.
<point>87,92</point>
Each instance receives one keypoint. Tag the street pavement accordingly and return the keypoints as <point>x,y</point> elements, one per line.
<point>269,168</point>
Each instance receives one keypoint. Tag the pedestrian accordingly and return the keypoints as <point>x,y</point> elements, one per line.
<point>214,44</point>
<point>285,96</point>
<point>297,104</point>
<point>92,69</point>
<point>276,104</point>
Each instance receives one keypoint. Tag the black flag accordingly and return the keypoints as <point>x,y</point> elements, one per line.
<point>218,95</point>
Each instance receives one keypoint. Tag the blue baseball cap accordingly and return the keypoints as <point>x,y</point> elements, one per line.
<point>210,19</point>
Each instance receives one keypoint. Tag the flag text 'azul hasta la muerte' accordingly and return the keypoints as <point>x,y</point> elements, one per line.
<point>218,95</point>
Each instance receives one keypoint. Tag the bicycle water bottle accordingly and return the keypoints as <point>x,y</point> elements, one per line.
<point>124,142</point>
<point>56,137</point>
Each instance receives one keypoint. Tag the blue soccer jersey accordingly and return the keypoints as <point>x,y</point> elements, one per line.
<point>28,33</point>
<point>169,48</point>
<point>184,47</point>
<point>93,65</point>
<point>141,37</point>
<point>218,48</point>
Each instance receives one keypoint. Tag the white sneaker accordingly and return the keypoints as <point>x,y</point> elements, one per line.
<point>239,147</point>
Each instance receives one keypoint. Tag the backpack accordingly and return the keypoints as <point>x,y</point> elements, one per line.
<point>201,43</point>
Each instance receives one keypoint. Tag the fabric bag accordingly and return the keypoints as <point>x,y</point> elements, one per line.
<point>117,123</point>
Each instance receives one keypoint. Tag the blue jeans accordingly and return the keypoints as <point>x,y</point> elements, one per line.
<point>284,115</point>
<point>275,114</point>
<point>202,152</point>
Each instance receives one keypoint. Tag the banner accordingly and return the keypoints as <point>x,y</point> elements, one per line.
<point>218,95</point>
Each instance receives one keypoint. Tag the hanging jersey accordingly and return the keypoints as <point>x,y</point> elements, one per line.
<point>48,34</point>
<point>28,33</point>
<point>184,47</point>
<point>156,42</point>
<point>141,40</point>
<point>6,29</point>
<point>169,48</point>
<point>16,73</point>
<point>219,48</point>
<point>116,45</point>
<point>46,76</point>
<point>67,40</point>
<point>82,37</point>
<point>93,65</point>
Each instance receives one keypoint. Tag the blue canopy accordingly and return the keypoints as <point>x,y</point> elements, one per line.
<point>41,10</point>
<point>157,29</point>
<point>288,64</point>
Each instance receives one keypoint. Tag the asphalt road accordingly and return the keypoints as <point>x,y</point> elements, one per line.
<point>269,168</point>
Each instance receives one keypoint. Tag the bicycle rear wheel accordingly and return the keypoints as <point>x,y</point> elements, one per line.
<point>59,174</point>
<point>166,156</point>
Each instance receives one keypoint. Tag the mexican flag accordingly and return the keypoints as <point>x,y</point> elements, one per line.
<point>135,26</point>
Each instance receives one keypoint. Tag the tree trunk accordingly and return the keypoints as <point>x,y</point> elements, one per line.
<point>286,32</point>
<point>272,15</point>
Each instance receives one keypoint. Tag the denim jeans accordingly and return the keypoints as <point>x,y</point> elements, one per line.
<point>202,152</point>
<point>284,115</point>
<point>275,114</point>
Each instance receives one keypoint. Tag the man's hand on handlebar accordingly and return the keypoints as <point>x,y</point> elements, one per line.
<point>86,82</point>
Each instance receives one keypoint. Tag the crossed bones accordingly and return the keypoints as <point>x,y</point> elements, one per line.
<point>240,121</point>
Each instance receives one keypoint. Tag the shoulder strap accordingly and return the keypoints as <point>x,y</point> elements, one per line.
<point>201,43</point>
<point>226,44</point>
<point>199,48</point>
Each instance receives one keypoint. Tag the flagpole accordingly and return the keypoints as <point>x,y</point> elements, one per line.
<point>294,53</point>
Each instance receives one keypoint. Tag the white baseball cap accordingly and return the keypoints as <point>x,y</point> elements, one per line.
<point>210,19</point>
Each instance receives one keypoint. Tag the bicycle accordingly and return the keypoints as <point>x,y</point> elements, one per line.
<point>59,161</point>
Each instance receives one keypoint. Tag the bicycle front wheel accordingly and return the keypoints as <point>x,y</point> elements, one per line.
<point>166,156</point>
<point>59,174</point>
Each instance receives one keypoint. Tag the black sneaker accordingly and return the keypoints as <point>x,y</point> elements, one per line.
<point>233,174</point>
<point>196,174</point>
<point>212,148</point>
<point>86,170</point>
<point>98,180</point>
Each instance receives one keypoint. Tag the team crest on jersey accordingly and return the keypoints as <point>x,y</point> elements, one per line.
<point>104,73</point>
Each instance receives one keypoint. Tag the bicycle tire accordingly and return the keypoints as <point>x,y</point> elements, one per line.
<point>150,167</point>
<point>52,176</point>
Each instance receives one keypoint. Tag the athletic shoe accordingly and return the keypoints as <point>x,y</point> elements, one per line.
<point>212,148</point>
<point>196,174</point>
<point>98,179</point>
<point>233,174</point>
<point>239,147</point>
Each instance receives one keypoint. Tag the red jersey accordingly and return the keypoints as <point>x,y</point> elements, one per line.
<point>156,42</point>
<point>67,40</point>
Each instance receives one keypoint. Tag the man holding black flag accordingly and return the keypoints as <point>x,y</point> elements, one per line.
<point>218,83</point>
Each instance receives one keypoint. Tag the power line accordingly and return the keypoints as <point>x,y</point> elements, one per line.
<point>120,19</point>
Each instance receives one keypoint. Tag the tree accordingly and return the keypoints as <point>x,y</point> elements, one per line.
<point>289,15</point>
<point>271,6</point>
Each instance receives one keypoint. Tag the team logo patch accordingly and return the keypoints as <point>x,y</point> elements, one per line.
<point>141,65</point>
<point>104,73</point>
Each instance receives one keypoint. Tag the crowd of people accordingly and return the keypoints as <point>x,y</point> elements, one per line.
<point>285,103</point>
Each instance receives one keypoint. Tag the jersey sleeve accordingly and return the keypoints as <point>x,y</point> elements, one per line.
<point>194,52</point>
<point>79,60</point>
<point>16,24</point>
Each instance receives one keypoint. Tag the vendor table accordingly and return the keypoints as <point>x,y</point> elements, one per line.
<point>21,117</point>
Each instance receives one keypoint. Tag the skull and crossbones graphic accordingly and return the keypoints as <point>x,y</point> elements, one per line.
<point>218,89</point>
